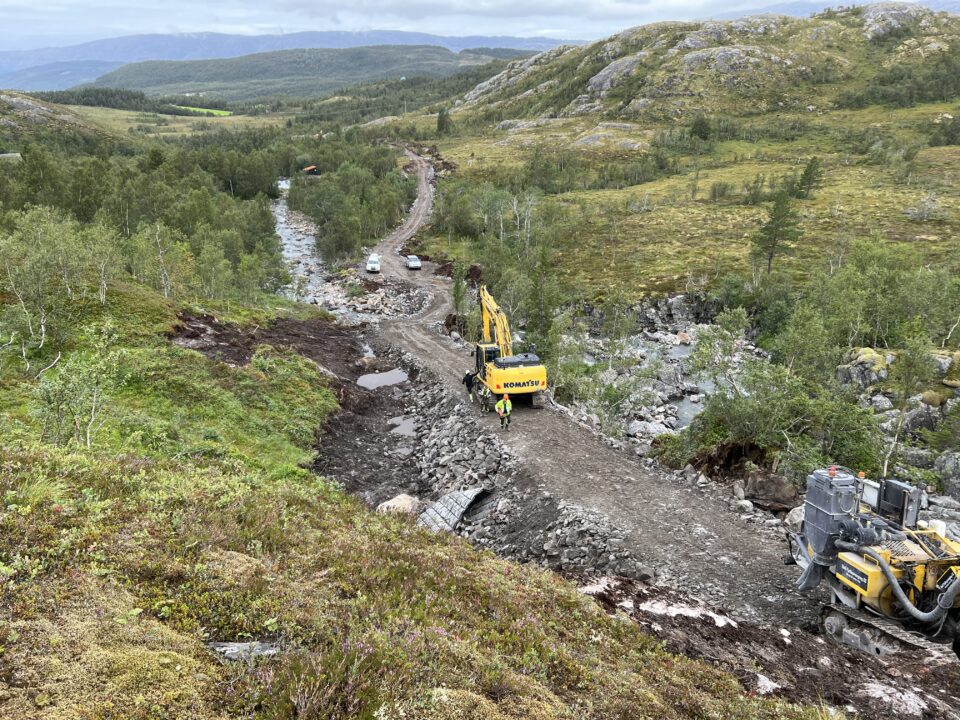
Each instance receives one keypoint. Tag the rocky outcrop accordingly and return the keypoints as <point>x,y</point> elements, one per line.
<point>866,368</point>
<point>613,73</point>
<point>515,73</point>
<point>947,466</point>
<point>882,19</point>
<point>729,60</point>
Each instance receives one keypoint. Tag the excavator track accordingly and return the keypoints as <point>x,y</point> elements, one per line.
<point>877,635</point>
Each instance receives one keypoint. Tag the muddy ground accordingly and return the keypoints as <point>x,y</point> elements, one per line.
<point>789,658</point>
<point>795,663</point>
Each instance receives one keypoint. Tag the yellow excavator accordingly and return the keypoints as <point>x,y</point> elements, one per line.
<point>894,580</point>
<point>498,369</point>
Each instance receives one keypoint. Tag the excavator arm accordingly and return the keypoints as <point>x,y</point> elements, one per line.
<point>494,319</point>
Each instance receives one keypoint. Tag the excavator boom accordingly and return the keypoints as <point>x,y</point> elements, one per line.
<point>492,315</point>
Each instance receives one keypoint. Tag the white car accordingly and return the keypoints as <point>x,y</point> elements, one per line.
<point>413,263</point>
<point>373,263</point>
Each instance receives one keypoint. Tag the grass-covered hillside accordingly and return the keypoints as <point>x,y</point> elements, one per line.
<point>740,67</point>
<point>651,159</point>
<point>299,73</point>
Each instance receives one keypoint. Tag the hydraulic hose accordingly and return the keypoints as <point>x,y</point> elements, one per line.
<point>944,601</point>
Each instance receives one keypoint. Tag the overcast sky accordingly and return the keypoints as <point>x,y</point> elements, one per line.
<point>25,24</point>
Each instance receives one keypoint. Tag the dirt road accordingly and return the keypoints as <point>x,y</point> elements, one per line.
<point>694,541</point>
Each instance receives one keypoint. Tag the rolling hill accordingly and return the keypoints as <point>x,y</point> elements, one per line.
<point>746,66</point>
<point>58,75</point>
<point>47,64</point>
<point>605,133</point>
<point>301,73</point>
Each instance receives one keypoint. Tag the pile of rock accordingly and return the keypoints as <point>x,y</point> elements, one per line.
<point>583,539</point>
<point>513,517</point>
<point>347,295</point>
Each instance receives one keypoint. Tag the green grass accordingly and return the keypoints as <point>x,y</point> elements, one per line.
<point>206,111</point>
<point>122,122</point>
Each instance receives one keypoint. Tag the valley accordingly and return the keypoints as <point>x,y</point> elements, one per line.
<point>242,477</point>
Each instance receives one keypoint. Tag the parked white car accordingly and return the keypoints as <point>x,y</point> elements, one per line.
<point>373,263</point>
<point>413,263</point>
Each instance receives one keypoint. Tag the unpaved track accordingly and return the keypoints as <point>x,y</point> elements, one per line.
<point>693,540</point>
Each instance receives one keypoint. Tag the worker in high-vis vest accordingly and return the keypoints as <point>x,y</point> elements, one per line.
<point>504,408</point>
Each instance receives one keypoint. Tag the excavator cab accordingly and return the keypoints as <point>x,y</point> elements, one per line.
<point>486,353</point>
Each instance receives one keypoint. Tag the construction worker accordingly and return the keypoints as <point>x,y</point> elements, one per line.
<point>504,408</point>
<point>485,397</point>
<point>468,380</point>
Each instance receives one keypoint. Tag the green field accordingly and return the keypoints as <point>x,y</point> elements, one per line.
<point>154,124</point>
<point>206,111</point>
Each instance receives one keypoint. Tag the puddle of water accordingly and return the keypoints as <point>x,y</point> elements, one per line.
<point>404,426</point>
<point>373,381</point>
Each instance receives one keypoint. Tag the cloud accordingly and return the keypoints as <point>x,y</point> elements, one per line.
<point>419,9</point>
<point>61,21</point>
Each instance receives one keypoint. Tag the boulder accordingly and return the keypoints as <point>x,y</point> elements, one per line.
<point>923,417</point>
<point>794,519</point>
<point>771,492</point>
<point>917,457</point>
<point>403,504</point>
<point>881,403</point>
<point>738,490</point>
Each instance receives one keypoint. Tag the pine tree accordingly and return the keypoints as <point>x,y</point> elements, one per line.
<point>444,122</point>
<point>810,179</point>
<point>778,233</point>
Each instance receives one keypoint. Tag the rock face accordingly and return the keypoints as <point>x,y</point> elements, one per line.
<point>515,73</point>
<point>947,466</point>
<point>604,80</point>
<point>882,19</point>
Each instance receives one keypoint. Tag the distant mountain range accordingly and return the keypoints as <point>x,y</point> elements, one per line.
<point>303,73</point>
<point>57,75</point>
<point>64,67</point>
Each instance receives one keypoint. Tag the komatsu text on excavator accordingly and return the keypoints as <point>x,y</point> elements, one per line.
<point>894,580</point>
<point>498,369</point>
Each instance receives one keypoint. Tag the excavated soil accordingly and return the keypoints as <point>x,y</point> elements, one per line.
<point>328,344</point>
<point>794,663</point>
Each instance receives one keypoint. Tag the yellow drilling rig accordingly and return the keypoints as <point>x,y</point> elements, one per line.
<point>894,580</point>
